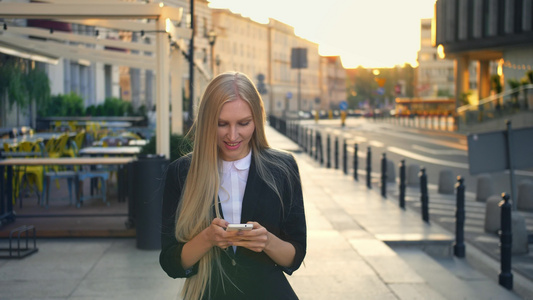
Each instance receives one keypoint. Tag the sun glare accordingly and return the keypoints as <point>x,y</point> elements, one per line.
<point>372,34</point>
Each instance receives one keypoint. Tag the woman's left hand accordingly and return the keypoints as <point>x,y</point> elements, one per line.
<point>255,239</point>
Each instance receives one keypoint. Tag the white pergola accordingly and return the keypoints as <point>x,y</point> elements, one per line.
<point>114,15</point>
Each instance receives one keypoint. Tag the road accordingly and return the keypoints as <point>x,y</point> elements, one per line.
<point>434,150</point>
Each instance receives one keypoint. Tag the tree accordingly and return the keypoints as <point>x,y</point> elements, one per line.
<point>38,89</point>
<point>21,85</point>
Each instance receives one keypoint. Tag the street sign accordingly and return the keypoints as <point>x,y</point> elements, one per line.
<point>343,105</point>
<point>289,95</point>
<point>499,151</point>
<point>487,152</point>
<point>299,58</point>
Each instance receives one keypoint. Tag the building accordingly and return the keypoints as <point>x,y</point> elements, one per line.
<point>333,82</point>
<point>285,82</point>
<point>241,45</point>
<point>101,59</point>
<point>435,74</point>
<point>485,31</point>
<point>264,51</point>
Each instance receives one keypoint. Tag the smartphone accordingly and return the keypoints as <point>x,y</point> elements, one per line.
<point>236,227</point>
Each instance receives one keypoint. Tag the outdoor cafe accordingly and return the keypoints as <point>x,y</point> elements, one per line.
<point>70,182</point>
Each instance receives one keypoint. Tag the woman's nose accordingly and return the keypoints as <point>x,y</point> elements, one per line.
<point>233,134</point>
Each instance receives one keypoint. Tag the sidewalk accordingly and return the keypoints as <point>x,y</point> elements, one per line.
<point>350,229</point>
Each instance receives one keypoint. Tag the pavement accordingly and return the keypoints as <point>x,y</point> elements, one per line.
<point>360,246</point>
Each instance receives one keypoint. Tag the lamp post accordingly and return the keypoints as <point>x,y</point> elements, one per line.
<point>212,38</point>
<point>218,62</point>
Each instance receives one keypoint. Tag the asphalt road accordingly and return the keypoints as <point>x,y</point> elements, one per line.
<point>434,150</point>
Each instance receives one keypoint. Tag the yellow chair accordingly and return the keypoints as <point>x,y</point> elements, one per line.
<point>79,140</point>
<point>30,176</point>
<point>56,148</point>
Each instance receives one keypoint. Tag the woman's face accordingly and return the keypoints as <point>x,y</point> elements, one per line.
<point>235,129</point>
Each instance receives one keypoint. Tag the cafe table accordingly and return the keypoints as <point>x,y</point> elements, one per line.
<point>7,214</point>
<point>110,151</point>
<point>44,136</point>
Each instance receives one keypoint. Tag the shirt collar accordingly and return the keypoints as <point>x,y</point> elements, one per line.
<point>241,164</point>
<point>244,163</point>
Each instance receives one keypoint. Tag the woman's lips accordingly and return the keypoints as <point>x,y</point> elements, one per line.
<point>232,146</point>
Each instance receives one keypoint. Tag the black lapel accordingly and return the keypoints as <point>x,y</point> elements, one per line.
<point>219,209</point>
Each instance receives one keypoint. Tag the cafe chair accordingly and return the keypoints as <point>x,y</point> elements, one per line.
<point>30,177</point>
<point>60,147</point>
<point>100,175</point>
<point>79,141</point>
<point>71,177</point>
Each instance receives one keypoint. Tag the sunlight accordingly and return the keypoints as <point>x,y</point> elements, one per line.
<point>364,33</point>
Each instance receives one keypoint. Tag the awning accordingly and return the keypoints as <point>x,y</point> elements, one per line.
<point>27,53</point>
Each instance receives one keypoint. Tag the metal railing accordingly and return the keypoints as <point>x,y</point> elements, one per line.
<point>497,106</point>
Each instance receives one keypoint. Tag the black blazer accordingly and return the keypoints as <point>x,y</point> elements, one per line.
<point>255,275</point>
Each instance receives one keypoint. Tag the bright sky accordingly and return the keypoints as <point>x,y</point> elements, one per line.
<point>370,33</point>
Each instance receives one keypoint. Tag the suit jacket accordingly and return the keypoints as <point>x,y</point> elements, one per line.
<point>254,275</point>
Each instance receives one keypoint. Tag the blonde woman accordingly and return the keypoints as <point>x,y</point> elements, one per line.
<point>233,177</point>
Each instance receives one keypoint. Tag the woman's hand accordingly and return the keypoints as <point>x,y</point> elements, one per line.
<point>216,233</point>
<point>255,239</point>
<point>260,240</point>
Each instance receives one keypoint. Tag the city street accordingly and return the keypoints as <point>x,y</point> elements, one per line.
<point>434,150</point>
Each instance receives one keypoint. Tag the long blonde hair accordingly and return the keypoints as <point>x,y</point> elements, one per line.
<point>200,194</point>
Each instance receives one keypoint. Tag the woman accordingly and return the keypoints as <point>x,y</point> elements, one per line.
<point>233,176</point>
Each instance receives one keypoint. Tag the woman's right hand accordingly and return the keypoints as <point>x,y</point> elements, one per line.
<point>216,233</point>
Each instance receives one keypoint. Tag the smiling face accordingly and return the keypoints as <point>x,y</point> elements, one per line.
<point>235,129</point>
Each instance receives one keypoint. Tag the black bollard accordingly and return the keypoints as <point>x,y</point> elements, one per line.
<point>402,184</point>
<point>384,175</point>
<point>424,198</point>
<point>310,142</point>
<point>355,162</point>
<point>304,138</point>
<point>316,145</point>
<point>506,243</point>
<point>328,153</point>
<point>459,246</point>
<point>368,168</point>
<point>321,149</point>
<point>336,153</point>
<point>344,157</point>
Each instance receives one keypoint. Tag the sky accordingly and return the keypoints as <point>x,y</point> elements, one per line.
<point>368,33</point>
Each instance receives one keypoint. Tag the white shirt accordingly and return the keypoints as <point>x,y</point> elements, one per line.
<point>232,185</point>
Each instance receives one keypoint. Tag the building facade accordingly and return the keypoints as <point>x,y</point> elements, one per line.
<point>435,74</point>
<point>223,41</point>
<point>291,89</point>
<point>333,87</point>
<point>485,31</point>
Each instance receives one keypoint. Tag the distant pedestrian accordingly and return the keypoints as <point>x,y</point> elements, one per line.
<point>233,176</point>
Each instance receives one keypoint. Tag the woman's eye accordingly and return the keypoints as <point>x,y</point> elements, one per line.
<point>244,123</point>
<point>221,124</point>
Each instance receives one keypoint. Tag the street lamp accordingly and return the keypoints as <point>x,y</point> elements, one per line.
<point>217,61</point>
<point>212,38</point>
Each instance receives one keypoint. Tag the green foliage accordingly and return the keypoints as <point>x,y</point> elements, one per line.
<point>513,83</point>
<point>529,75</point>
<point>464,98</point>
<point>63,105</point>
<point>38,86</point>
<point>495,83</point>
<point>13,82</point>
<point>114,107</point>
<point>179,146</point>
<point>361,83</point>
